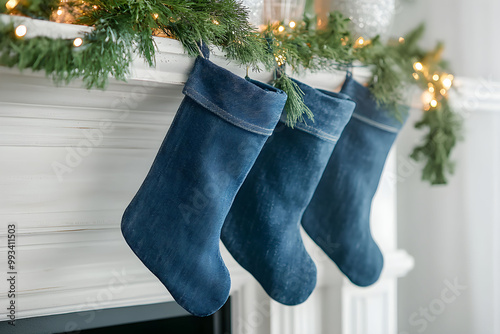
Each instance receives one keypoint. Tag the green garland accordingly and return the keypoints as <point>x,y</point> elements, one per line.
<point>125,27</point>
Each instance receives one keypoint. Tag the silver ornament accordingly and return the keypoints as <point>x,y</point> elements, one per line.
<point>369,17</point>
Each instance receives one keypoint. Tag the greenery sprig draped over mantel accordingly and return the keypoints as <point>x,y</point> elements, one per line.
<point>125,27</point>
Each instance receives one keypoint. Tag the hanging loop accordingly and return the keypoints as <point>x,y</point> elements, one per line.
<point>203,49</point>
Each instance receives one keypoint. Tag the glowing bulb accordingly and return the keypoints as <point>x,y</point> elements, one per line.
<point>418,66</point>
<point>215,22</point>
<point>155,16</point>
<point>281,28</point>
<point>78,42</point>
<point>292,24</point>
<point>94,6</point>
<point>446,83</point>
<point>435,77</point>
<point>59,12</point>
<point>431,89</point>
<point>415,76</point>
<point>11,4</point>
<point>21,30</point>
<point>443,91</point>
<point>434,103</point>
<point>426,97</point>
<point>401,40</point>
<point>361,41</point>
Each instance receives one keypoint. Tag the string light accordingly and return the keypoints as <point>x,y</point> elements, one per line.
<point>446,83</point>
<point>434,103</point>
<point>155,16</point>
<point>431,89</point>
<point>415,76</point>
<point>426,97</point>
<point>78,42</point>
<point>292,24</point>
<point>443,91</point>
<point>215,22</point>
<point>280,59</point>
<point>418,66</point>
<point>11,4</point>
<point>281,28</point>
<point>359,42</point>
<point>59,11</point>
<point>435,77</point>
<point>21,30</point>
<point>401,40</point>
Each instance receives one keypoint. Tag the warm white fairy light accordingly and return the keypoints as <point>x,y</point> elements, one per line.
<point>446,83</point>
<point>59,12</point>
<point>435,77</point>
<point>416,76</point>
<point>21,30</point>
<point>292,24</point>
<point>434,103</point>
<point>78,42</point>
<point>431,89</point>
<point>280,60</point>
<point>155,16</point>
<point>401,40</point>
<point>215,22</point>
<point>11,4</point>
<point>418,66</point>
<point>426,97</point>
<point>281,28</point>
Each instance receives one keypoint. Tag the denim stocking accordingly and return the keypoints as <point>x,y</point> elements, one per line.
<point>262,230</point>
<point>174,221</point>
<point>338,216</point>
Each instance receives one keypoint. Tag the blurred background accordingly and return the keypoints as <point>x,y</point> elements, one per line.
<point>453,231</point>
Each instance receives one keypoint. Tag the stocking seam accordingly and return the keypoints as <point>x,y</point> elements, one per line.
<point>315,132</point>
<point>381,126</point>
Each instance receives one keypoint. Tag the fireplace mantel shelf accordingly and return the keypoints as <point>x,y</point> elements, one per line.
<point>72,256</point>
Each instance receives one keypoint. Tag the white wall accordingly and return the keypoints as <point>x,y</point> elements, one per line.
<point>469,29</point>
<point>453,231</point>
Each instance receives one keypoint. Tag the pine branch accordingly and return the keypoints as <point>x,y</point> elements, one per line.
<point>443,131</point>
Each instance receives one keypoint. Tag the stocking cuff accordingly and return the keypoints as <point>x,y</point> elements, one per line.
<point>331,112</point>
<point>248,104</point>
<point>367,109</point>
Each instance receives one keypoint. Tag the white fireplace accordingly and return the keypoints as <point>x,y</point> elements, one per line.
<point>71,160</point>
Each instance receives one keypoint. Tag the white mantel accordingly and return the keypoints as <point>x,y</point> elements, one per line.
<point>71,255</point>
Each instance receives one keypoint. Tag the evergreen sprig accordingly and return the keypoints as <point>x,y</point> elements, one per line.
<point>294,106</point>
<point>444,129</point>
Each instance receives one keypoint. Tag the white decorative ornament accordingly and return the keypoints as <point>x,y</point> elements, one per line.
<point>369,17</point>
